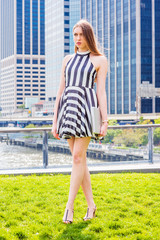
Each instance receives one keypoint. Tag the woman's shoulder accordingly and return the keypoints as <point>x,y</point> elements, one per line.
<point>99,60</point>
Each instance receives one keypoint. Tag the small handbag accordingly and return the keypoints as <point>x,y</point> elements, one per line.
<point>96,120</point>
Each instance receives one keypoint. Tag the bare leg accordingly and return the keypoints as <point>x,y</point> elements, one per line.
<point>79,148</point>
<point>87,188</point>
<point>86,182</point>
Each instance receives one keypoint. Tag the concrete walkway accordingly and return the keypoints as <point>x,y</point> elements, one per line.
<point>144,167</point>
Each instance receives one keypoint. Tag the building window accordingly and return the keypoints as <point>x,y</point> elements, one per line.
<point>19,27</point>
<point>42,27</point>
<point>146,105</point>
<point>19,61</point>
<point>42,61</point>
<point>157,110</point>
<point>35,61</point>
<point>27,27</point>
<point>27,61</point>
<point>35,27</point>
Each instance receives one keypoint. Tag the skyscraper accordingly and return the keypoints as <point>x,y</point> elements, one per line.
<point>57,43</point>
<point>22,52</point>
<point>74,11</point>
<point>60,18</point>
<point>128,33</point>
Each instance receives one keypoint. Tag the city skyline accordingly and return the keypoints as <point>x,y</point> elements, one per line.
<point>126,30</point>
<point>22,53</point>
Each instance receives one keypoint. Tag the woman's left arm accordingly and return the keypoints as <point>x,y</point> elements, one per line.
<point>101,93</point>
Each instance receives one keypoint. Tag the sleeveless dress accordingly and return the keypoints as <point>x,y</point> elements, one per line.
<point>74,110</point>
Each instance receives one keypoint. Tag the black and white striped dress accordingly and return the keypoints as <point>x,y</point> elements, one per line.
<point>74,111</point>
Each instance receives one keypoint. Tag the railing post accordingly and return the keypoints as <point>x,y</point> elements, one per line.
<point>45,149</point>
<point>150,144</point>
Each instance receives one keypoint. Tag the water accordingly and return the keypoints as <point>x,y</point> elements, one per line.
<point>12,156</point>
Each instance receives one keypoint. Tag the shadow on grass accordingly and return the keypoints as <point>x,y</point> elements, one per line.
<point>75,232</point>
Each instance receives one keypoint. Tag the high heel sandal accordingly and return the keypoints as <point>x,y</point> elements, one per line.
<point>91,213</point>
<point>68,216</point>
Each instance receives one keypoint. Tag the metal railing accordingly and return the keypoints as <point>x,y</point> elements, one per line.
<point>45,131</point>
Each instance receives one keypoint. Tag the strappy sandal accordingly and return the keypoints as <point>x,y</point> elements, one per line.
<point>91,213</point>
<point>68,216</point>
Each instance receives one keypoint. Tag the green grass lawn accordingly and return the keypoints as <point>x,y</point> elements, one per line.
<point>128,207</point>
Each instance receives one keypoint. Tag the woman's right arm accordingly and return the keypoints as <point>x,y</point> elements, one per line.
<point>59,93</point>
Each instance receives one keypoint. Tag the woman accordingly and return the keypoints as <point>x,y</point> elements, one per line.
<point>72,113</point>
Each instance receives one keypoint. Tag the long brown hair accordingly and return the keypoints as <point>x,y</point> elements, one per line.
<point>88,33</point>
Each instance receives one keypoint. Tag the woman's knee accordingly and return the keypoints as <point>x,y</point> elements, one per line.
<point>78,157</point>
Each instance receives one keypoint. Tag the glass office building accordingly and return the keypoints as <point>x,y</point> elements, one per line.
<point>128,32</point>
<point>61,16</point>
<point>74,18</point>
<point>57,43</point>
<point>22,52</point>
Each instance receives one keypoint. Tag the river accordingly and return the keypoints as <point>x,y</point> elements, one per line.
<point>12,156</point>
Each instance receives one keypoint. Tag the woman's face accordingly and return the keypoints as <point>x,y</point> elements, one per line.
<point>79,38</point>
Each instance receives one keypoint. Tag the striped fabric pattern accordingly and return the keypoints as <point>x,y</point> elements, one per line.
<point>74,110</point>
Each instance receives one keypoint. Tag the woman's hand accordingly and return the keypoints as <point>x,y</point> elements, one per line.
<point>54,131</point>
<point>104,127</point>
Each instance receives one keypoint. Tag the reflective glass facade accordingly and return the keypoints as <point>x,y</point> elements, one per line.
<point>133,52</point>
<point>119,63</point>
<point>146,41</point>
<point>112,57</point>
<point>157,44</point>
<point>24,47</point>
<point>6,22</point>
<point>42,27</point>
<point>114,23</point>
<point>126,56</point>
<point>19,27</point>
<point>27,26</point>
<point>74,17</point>
<point>35,27</point>
<point>125,30</point>
<point>57,32</point>
<point>32,20</point>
